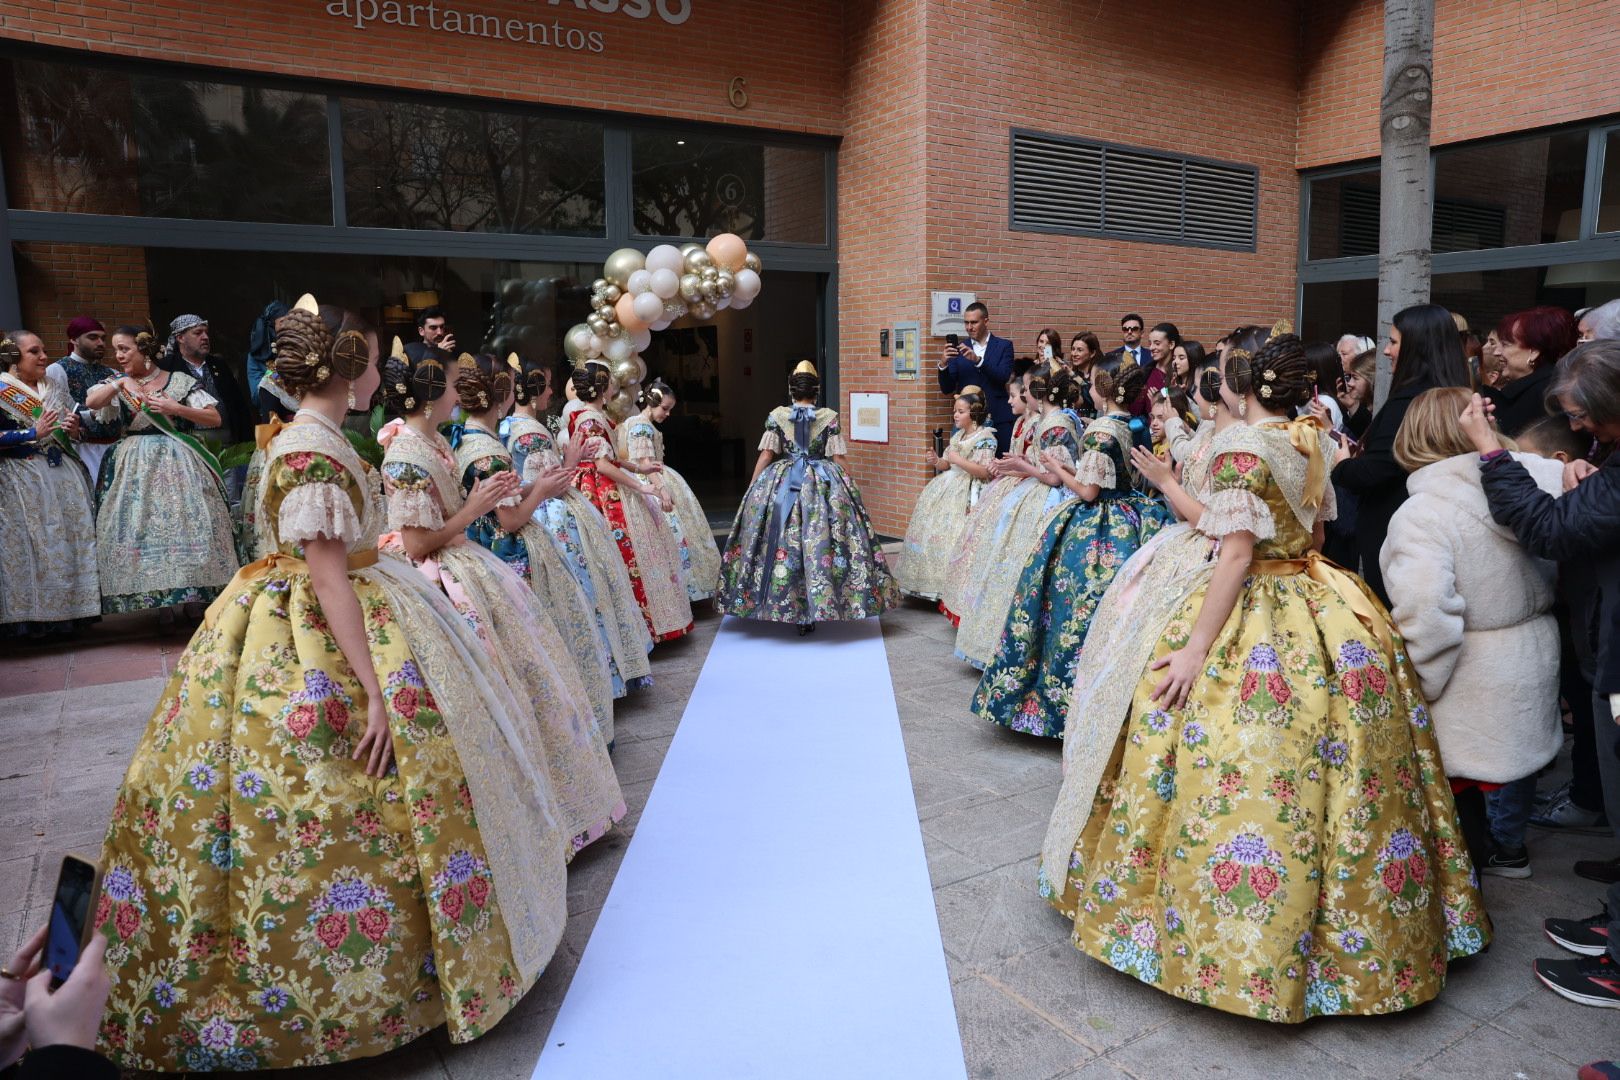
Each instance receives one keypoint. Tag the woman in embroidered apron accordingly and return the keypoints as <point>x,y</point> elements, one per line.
<point>429,516</point>
<point>483,388</point>
<point>163,531</point>
<point>47,529</point>
<point>640,443</point>
<point>1272,834</point>
<point>649,549</point>
<point>941,515</point>
<point>1027,686</point>
<point>579,529</point>
<point>337,832</point>
<point>802,549</point>
<point>1001,536</point>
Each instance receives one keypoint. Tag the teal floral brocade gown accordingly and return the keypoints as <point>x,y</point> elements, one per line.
<point>1026,686</point>
<point>802,549</point>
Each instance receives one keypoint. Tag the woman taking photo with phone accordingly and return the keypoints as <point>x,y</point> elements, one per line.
<point>334,835</point>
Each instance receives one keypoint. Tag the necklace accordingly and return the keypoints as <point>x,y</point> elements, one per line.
<point>150,377</point>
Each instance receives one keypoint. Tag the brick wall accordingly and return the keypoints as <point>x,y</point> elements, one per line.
<point>62,281</point>
<point>1498,67</point>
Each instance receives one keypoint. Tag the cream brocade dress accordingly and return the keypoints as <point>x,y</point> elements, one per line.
<point>422,492</point>
<point>267,904</point>
<point>940,518</point>
<point>639,440</point>
<point>1285,845</point>
<point>1000,537</point>
<point>163,528</point>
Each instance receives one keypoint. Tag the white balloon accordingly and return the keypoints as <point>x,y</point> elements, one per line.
<point>640,339</point>
<point>649,307</point>
<point>664,282</point>
<point>665,257</point>
<point>596,345</point>
<point>661,324</point>
<point>723,302</point>
<point>638,283</point>
<point>617,348</point>
<point>747,286</point>
<point>739,301</point>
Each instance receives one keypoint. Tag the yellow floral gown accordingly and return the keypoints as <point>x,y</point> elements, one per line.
<point>269,905</point>
<point>1285,845</point>
<point>941,516</point>
<point>419,477</point>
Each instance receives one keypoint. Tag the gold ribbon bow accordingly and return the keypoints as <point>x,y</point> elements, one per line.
<point>1326,572</point>
<point>1305,434</point>
<point>287,564</point>
<point>265,432</point>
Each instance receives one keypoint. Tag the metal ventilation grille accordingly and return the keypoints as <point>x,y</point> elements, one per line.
<point>1066,185</point>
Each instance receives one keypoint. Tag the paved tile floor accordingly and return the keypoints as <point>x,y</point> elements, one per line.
<point>1030,1006</point>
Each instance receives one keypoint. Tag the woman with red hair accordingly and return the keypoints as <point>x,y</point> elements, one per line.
<point>1532,343</point>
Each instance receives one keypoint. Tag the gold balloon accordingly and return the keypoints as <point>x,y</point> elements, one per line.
<point>698,261</point>
<point>577,343</point>
<point>727,281</point>
<point>598,285</point>
<point>687,249</point>
<point>710,290</point>
<point>751,262</point>
<point>612,293</point>
<point>702,312</point>
<point>598,325</point>
<point>621,264</point>
<point>691,287</point>
<point>639,373</point>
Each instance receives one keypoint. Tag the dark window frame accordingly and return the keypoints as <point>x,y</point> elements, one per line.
<point>1104,146</point>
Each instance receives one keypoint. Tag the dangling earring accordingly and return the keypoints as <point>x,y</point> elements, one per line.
<point>351,397</point>
<point>1243,407</point>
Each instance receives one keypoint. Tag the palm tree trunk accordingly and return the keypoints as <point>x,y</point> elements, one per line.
<point>1406,198</point>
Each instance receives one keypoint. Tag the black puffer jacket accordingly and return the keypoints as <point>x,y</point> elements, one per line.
<point>1580,530</point>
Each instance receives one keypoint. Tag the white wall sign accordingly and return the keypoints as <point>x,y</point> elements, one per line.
<point>869,418</point>
<point>947,309</point>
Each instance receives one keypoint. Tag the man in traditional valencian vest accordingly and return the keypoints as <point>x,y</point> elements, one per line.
<point>77,372</point>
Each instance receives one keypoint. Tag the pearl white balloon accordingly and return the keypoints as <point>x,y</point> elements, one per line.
<point>664,282</point>
<point>638,282</point>
<point>640,339</point>
<point>738,301</point>
<point>665,257</point>
<point>617,348</point>
<point>596,344</point>
<point>649,307</point>
<point>661,324</point>
<point>747,284</point>
<point>722,302</point>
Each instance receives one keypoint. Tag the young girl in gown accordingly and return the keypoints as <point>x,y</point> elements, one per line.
<point>997,488</point>
<point>430,517</point>
<point>941,514</point>
<point>802,549</point>
<point>579,529</point>
<point>649,548</point>
<point>1026,687</point>
<point>337,832</point>
<point>1272,834</point>
<point>1001,536</point>
<point>163,531</point>
<point>483,388</point>
<point>641,444</point>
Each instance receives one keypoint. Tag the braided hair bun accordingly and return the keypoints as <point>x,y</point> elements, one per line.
<point>977,409</point>
<point>481,382</point>
<point>590,383</point>
<point>1120,387</point>
<point>653,394</point>
<point>411,385</point>
<point>1279,373</point>
<point>303,352</point>
<point>804,386</point>
<point>146,343</point>
<point>532,378</point>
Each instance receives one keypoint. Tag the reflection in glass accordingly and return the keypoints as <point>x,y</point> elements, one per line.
<point>1609,197</point>
<point>690,185</point>
<point>1504,194</point>
<point>98,141</point>
<point>413,166</point>
<point>1344,216</point>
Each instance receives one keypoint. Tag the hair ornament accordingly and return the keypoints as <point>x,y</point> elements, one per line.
<point>307,303</point>
<point>1281,327</point>
<point>513,362</point>
<point>351,354</point>
<point>398,351</point>
<point>483,399</point>
<point>1265,391</point>
<point>970,389</point>
<point>1239,354</point>
<point>322,373</point>
<point>805,367</point>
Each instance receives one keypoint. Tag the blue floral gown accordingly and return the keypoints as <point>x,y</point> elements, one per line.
<point>802,549</point>
<point>1026,686</point>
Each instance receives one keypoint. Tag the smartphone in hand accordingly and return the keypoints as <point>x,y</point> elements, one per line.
<point>78,888</point>
<point>952,340</point>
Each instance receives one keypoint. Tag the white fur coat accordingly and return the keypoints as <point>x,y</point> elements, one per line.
<point>1475,611</point>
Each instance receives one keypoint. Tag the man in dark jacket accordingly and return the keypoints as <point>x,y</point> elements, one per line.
<point>1378,482</point>
<point>983,360</point>
<point>188,335</point>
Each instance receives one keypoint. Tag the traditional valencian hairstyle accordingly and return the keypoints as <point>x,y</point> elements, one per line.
<point>410,385</point>
<point>308,352</point>
<point>977,409</point>
<point>533,377</point>
<point>1278,373</point>
<point>146,342</point>
<point>804,384</point>
<point>1121,386</point>
<point>482,381</point>
<point>654,394</point>
<point>591,382</point>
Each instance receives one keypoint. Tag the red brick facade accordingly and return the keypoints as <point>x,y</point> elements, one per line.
<point>923,94</point>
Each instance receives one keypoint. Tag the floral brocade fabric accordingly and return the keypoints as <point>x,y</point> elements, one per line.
<point>940,518</point>
<point>1026,687</point>
<point>269,905</point>
<point>1286,845</point>
<point>807,556</point>
<point>640,441</point>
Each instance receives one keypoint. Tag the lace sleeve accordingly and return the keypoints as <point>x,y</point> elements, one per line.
<point>199,398</point>
<point>317,503</point>
<point>639,444</point>
<point>837,445</point>
<point>983,451</point>
<point>1096,468</point>
<point>412,502</point>
<point>1235,503</point>
<point>772,439</point>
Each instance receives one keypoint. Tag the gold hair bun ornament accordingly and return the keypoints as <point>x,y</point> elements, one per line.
<point>351,354</point>
<point>465,362</point>
<point>971,389</point>
<point>513,362</point>
<point>805,367</point>
<point>398,351</point>
<point>307,303</point>
<point>1281,327</point>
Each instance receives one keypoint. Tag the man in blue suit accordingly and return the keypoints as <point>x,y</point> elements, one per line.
<point>983,360</point>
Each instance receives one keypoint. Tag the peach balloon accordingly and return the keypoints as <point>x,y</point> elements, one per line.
<point>728,251</point>
<point>626,310</point>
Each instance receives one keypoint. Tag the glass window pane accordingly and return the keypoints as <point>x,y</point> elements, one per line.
<point>100,141</point>
<point>1344,216</point>
<point>697,185</point>
<point>1609,197</point>
<point>1332,309</point>
<point>409,165</point>
<point>1527,191</point>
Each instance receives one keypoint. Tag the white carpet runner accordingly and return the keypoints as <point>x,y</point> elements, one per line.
<point>773,916</point>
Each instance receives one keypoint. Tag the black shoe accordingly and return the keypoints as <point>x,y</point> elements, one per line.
<point>1505,862</point>
<point>1588,936</point>
<point>1606,871</point>
<point>806,628</point>
<point>1589,980</point>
